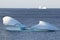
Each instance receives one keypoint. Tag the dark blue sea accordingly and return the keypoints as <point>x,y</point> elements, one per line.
<point>30,17</point>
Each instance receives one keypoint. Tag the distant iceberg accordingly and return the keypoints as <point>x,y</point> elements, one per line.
<point>12,24</point>
<point>42,7</point>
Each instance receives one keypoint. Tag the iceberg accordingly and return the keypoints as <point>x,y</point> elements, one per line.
<point>43,26</point>
<point>13,24</point>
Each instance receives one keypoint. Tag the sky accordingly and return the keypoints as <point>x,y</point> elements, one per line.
<point>29,3</point>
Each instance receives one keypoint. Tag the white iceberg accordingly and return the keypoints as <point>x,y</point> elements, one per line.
<point>12,24</point>
<point>43,26</point>
<point>44,7</point>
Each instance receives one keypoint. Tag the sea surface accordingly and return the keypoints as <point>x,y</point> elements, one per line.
<point>30,17</point>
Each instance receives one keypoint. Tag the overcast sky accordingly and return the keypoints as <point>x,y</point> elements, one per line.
<point>29,3</point>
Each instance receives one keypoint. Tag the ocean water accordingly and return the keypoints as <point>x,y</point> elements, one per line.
<point>30,17</point>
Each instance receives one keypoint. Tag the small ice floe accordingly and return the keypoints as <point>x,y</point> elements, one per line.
<point>12,24</point>
<point>43,26</point>
<point>42,7</point>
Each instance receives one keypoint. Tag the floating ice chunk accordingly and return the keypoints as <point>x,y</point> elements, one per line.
<point>9,21</point>
<point>44,7</point>
<point>12,23</point>
<point>43,26</point>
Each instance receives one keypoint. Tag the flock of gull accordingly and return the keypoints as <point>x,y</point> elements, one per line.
<point>14,25</point>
